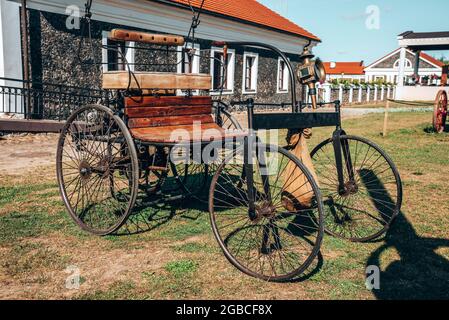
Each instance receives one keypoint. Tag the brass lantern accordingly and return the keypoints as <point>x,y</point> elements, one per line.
<point>310,72</point>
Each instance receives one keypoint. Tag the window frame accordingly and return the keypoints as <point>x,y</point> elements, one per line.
<point>129,53</point>
<point>254,73</point>
<point>408,64</point>
<point>285,77</point>
<point>230,71</point>
<point>196,58</point>
<point>196,66</point>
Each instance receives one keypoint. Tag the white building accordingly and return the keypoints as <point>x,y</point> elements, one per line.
<point>387,68</point>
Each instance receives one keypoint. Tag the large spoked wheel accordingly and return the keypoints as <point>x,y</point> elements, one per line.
<point>367,206</point>
<point>279,239</point>
<point>440,112</point>
<point>97,169</point>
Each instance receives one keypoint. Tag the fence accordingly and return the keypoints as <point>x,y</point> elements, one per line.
<point>355,94</point>
<point>56,102</point>
<point>45,100</point>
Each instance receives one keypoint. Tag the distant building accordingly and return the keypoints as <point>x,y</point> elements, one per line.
<point>345,70</point>
<point>387,68</point>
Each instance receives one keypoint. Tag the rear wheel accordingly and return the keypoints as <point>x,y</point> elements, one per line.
<point>97,169</point>
<point>371,202</point>
<point>440,112</point>
<point>279,240</point>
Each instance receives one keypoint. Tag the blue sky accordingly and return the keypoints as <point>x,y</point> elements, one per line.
<point>341,24</point>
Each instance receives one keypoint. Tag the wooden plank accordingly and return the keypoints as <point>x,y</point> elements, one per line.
<point>165,134</point>
<point>143,37</point>
<point>166,101</point>
<point>148,112</point>
<point>169,121</point>
<point>116,80</point>
<point>30,126</point>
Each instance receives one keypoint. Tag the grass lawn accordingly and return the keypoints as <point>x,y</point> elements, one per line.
<point>174,254</point>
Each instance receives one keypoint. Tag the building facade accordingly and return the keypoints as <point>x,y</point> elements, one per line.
<point>54,42</point>
<point>387,68</point>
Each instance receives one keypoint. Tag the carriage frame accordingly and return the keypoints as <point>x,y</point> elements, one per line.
<point>99,147</point>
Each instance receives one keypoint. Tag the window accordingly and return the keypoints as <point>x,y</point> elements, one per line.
<point>283,76</point>
<point>112,59</point>
<point>408,64</point>
<point>184,65</point>
<point>250,71</point>
<point>222,72</point>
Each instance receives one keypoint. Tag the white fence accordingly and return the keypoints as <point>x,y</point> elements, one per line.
<point>355,94</point>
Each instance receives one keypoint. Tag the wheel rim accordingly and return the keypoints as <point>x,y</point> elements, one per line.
<point>97,170</point>
<point>370,203</point>
<point>226,120</point>
<point>440,111</point>
<point>276,244</point>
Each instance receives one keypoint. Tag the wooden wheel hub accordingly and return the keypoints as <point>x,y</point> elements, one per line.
<point>266,210</point>
<point>350,189</point>
<point>85,170</point>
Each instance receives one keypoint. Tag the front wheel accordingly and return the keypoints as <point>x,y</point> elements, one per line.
<point>372,199</point>
<point>278,235</point>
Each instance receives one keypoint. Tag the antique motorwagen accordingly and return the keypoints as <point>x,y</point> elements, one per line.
<point>163,137</point>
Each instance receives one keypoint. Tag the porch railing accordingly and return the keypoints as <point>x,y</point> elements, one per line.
<point>47,101</point>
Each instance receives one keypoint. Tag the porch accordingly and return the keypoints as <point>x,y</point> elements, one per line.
<point>41,107</point>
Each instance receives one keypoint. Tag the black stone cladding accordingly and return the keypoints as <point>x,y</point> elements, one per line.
<point>54,58</point>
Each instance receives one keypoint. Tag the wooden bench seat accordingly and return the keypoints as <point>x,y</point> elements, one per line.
<point>184,134</point>
<point>174,120</point>
<point>120,80</point>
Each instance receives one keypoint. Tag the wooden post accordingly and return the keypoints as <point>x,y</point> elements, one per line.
<point>387,107</point>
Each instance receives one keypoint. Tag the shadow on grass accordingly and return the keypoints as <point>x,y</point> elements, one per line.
<point>421,272</point>
<point>152,212</point>
<point>430,130</point>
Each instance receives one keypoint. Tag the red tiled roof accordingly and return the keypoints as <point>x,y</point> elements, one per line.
<point>345,67</point>
<point>251,11</point>
<point>432,59</point>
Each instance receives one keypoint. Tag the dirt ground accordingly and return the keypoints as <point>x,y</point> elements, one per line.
<point>24,153</point>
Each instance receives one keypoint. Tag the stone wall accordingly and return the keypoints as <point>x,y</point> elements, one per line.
<point>54,58</point>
